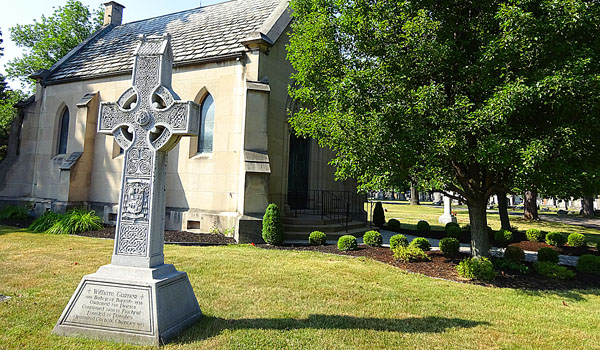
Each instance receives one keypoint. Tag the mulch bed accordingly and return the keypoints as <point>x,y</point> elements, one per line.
<point>443,267</point>
<point>19,223</point>
<point>519,236</point>
<point>564,250</point>
<point>171,237</point>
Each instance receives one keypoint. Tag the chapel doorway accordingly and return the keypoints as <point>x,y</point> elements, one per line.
<point>298,172</point>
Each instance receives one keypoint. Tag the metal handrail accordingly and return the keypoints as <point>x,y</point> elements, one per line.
<point>340,206</point>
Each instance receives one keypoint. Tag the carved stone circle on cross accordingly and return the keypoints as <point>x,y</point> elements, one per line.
<point>138,298</point>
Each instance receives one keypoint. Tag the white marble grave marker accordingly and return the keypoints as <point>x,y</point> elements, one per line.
<point>447,216</point>
<point>138,298</point>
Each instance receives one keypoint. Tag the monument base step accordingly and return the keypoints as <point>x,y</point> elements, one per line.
<point>146,306</point>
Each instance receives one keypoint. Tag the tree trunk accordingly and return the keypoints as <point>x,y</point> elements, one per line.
<point>588,206</point>
<point>530,206</point>
<point>503,210</point>
<point>480,242</point>
<point>414,195</point>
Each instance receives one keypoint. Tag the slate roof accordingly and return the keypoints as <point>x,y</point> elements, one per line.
<point>197,34</point>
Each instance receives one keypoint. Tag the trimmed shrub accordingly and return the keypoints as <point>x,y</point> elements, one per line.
<point>550,270</point>
<point>421,243</point>
<point>503,237</point>
<point>514,254</point>
<point>476,268</point>
<point>453,230</point>
<point>449,246</point>
<point>393,225</point>
<point>44,222</point>
<point>15,213</point>
<point>423,226</point>
<point>76,221</point>
<point>378,215</point>
<point>466,227</point>
<point>373,239</point>
<point>398,240</point>
<point>547,255</point>
<point>589,263</point>
<point>576,240</point>
<point>534,235</point>
<point>556,239</point>
<point>510,265</point>
<point>347,242</point>
<point>317,238</point>
<point>410,253</point>
<point>451,224</point>
<point>272,227</point>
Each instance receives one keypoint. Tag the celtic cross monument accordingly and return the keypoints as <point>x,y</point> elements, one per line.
<point>138,298</point>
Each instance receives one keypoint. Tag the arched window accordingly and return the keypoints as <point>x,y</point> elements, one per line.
<point>63,133</point>
<point>207,124</point>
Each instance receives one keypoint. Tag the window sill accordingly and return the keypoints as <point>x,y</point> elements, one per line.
<point>204,155</point>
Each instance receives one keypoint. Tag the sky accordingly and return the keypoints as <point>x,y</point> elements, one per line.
<point>25,11</point>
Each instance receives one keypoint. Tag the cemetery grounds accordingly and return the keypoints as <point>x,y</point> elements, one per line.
<point>255,298</point>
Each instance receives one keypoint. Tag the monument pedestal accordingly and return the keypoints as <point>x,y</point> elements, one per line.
<point>137,305</point>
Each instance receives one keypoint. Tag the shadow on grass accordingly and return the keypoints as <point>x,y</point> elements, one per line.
<point>210,326</point>
<point>565,294</point>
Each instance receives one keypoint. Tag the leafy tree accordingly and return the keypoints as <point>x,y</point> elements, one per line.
<point>49,39</point>
<point>8,99</point>
<point>462,95</point>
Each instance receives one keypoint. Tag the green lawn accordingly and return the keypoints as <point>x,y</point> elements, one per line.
<point>409,215</point>
<point>268,299</point>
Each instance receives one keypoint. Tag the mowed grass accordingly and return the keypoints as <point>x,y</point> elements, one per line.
<point>409,215</point>
<point>269,299</point>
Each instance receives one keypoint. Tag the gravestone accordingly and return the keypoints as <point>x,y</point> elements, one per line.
<point>138,298</point>
<point>447,216</point>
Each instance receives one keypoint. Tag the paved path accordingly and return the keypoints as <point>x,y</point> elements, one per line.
<point>464,248</point>
<point>569,220</point>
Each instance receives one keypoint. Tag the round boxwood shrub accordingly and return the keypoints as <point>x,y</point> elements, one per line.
<point>550,270</point>
<point>534,235</point>
<point>398,240</point>
<point>272,230</point>
<point>503,237</point>
<point>576,240</point>
<point>547,255</point>
<point>317,238</point>
<point>393,225</point>
<point>423,226</point>
<point>514,254</point>
<point>556,239</point>
<point>449,246</point>
<point>347,242</point>
<point>378,215</point>
<point>453,230</point>
<point>476,268</point>
<point>421,243</point>
<point>410,253</point>
<point>589,263</point>
<point>373,239</point>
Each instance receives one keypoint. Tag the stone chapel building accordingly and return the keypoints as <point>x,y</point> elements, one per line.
<point>231,59</point>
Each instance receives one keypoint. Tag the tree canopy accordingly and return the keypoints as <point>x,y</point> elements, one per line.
<point>468,97</point>
<point>49,39</point>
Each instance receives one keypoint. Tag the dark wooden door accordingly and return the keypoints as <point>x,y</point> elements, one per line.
<point>298,172</point>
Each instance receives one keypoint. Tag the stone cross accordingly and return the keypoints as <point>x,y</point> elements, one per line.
<point>147,121</point>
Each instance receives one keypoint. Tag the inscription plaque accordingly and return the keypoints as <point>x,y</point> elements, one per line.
<point>112,307</point>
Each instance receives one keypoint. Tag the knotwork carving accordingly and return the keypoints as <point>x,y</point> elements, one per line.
<point>139,160</point>
<point>132,239</point>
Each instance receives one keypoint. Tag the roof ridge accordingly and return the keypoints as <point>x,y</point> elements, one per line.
<point>177,12</point>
